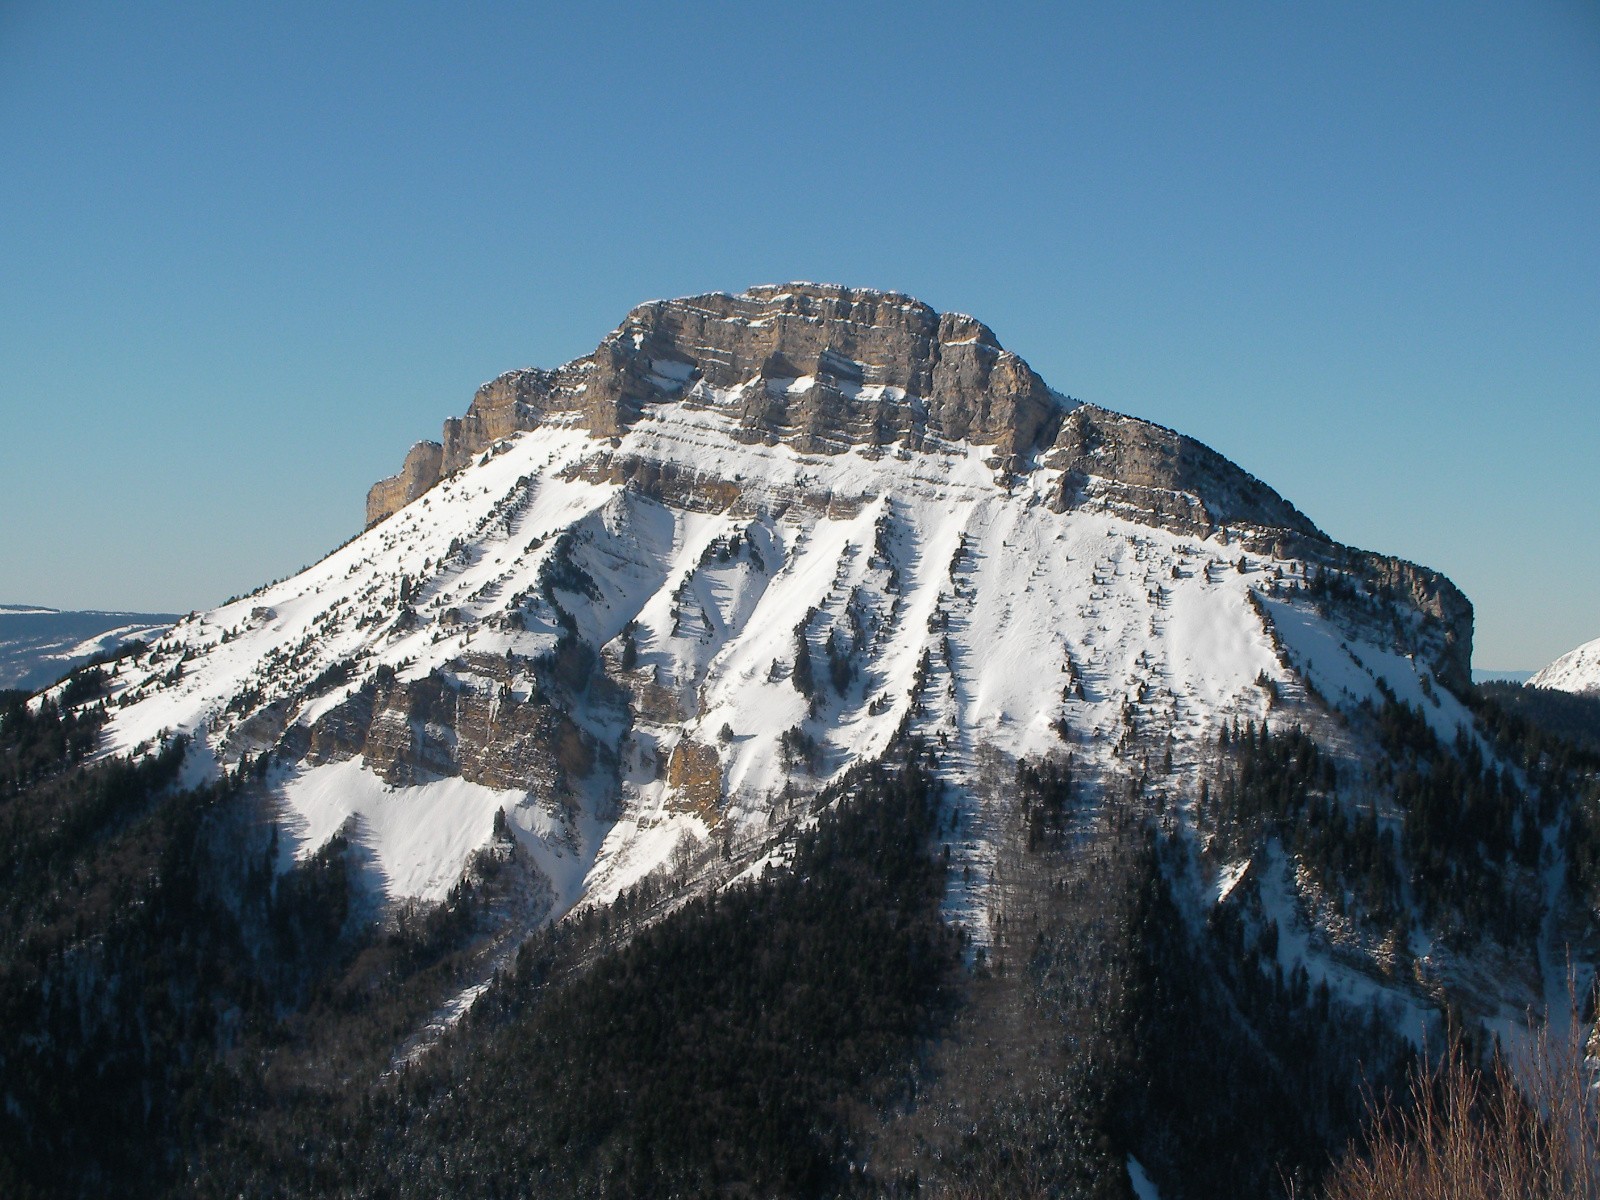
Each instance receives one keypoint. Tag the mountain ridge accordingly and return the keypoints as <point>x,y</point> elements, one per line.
<point>783,353</point>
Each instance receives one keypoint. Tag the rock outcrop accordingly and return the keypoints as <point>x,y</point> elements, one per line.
<point>427,728</point>
<point>819,367</point>
<point>1149,472</point>
<point>826,369</point>
<point>422,469</point>
<point>694,774</point>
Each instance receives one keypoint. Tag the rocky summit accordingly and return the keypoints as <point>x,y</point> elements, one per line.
<point>827,369</point>
<point>819,368</point>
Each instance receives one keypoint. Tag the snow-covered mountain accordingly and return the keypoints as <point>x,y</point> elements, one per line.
<point>634,552</point>
<point>1575,671</point>
<point>629,620</point>
<point>39,645</point>
<point>647,605</point>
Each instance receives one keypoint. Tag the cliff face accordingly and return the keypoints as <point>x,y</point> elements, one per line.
<point>421,470</point>
<point>817,367</point>
<point>1141,468</point>
<point>412,731</point>
<point>828,369</point>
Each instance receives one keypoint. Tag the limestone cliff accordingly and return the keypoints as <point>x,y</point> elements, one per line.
<point>420,472</point>
<point>827,369</point>
<point>818,367</point>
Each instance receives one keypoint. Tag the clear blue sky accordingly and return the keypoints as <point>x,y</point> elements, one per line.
<point>250,253</point>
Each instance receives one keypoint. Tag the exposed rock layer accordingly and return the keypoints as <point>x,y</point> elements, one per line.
<point>826,369</point>
<point>410,732</point>
<point>820,368</point>
<point>421,470</point>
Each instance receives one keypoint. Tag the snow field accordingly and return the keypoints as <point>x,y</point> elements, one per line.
<point>1575,671</point>
<point>1027,618</point>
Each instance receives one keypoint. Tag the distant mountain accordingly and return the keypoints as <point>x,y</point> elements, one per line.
<point>40,645</point>
<point>1575,671</point>
<point>1482,675</point>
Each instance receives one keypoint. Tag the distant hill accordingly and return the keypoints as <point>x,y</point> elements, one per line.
<point>39,645</point>
<point>1481,675</point>
<point>1576,671</point>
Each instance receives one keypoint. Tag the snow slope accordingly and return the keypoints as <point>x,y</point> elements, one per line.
<point>964,605</point>
<point>1575,671</point>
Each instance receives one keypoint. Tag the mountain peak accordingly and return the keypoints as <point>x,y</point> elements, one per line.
<point>1575,671</point>
<point>829,371</point>
<point>821,367</point>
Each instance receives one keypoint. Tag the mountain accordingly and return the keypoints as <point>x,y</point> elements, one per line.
<point>40,645</point>
<point>792,750</point>
<point>808,514</point>
<point>1575,671</point>
<point>1562,700</point>
<point>1480,675</point>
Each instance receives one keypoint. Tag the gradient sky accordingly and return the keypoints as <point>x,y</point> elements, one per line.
<point>249,254</point>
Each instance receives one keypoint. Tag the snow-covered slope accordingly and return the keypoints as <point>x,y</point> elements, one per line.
<point>1194,765</point>
<point>985,618</point>
<point>649,643</point>
<point>1575,671</point>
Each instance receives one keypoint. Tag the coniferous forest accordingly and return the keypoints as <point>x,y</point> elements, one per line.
<point>183,1016</point>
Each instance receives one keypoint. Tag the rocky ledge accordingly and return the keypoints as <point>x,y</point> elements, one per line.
<point>825,369</point>
<point>819,367</point>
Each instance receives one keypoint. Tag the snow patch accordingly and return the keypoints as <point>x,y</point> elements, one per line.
<point>1143,1188</point>
<point>419,837</point>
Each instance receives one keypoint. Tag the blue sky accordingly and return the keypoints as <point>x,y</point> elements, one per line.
<point>249,254</point>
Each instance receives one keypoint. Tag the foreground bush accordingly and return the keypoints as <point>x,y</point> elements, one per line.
<point>1502,1132</point>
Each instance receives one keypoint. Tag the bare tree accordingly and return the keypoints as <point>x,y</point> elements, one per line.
<point>1502,1132</point>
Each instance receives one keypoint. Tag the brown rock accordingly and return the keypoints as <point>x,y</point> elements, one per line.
<point>950,380</point>
<point>1151,473</point>
<point>419,473</point>
<point>426,728</point>
<point>694,773</point>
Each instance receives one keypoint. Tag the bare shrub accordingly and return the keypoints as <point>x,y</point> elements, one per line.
<point>1501,1132</point>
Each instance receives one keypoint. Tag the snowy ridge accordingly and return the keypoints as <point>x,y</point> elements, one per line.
<point>967,606</point>
<point>1575,671</point>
